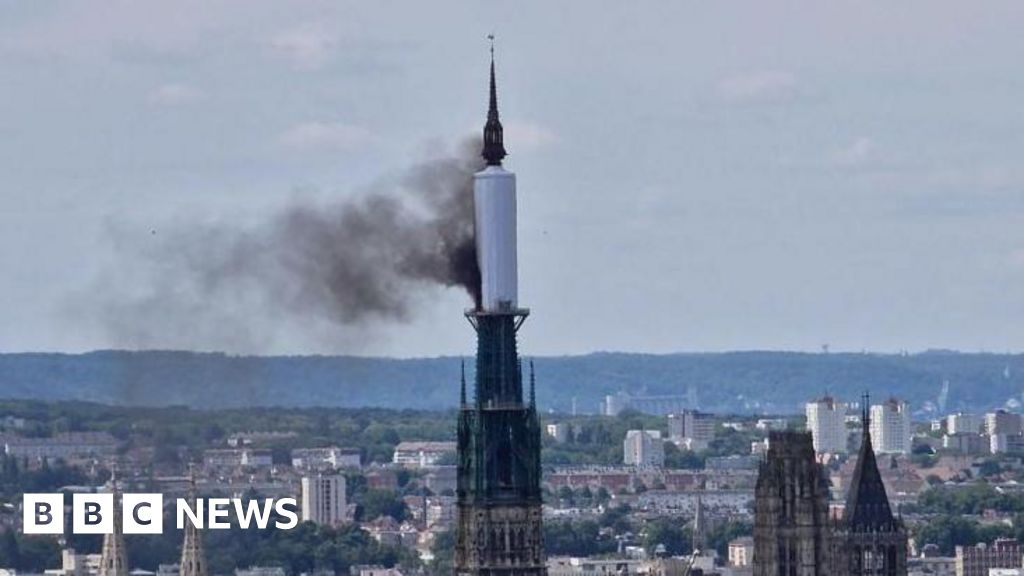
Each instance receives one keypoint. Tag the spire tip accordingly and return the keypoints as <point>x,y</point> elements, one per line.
<point>494,147</point>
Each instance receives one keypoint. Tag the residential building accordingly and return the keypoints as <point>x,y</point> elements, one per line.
<point>772,424</point>
<point>692,429</point>
<point>1002,422</point>
<point>734,462</point>
<point>826,421</point>
<point>243,439</point>
<point>75,564</point>
<point>260,571</point>
<point>323,499</point>
<point>65,446</point>
<point>977,560</point>
<point>644,448</point>
<point>441,479</point>
<point>572,566</point>
<point>966,443</point>
<point>559,431</point>
<point>961,423</point>
<point>422,454</point>
<point>238,458</point>
<point>1006,444</point>
<point>440,511</point>
<point>932,566</point>
<point>741,552</point>
<point>759,447</point>
<point>324,459</point>
<point>890,427</point>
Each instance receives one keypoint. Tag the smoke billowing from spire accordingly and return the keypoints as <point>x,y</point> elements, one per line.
<point>349,263</point>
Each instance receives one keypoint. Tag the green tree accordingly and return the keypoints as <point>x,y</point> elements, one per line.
<point>443,549</point>
<point>375,503</point>
<point>10,554</point>
<point>668,532</point>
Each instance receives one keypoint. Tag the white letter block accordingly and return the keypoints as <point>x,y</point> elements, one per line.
<point>43,514</point>
<point>92,513</point>
<point>142,513</point>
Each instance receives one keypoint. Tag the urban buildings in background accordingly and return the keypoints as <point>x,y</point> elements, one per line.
<point>644,448</point>
<point>890,426</point>
<point>691,429</point>
<point>422,454</point>
<point>659,405</point>
<point>703,471</point>
<point>982,559</point>
<point>323,499</point>
<point>826,421</point>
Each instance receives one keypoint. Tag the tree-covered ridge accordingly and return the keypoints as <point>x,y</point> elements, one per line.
<point>734,381</point>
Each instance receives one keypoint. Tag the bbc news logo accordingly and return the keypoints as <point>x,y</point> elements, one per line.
<point>144,513</point>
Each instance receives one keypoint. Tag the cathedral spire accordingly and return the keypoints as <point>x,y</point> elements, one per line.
<point>193,557</point>
<point>867,505</point>
<point>699,528</point>
<point>113,556</point>
<point>494,147</point>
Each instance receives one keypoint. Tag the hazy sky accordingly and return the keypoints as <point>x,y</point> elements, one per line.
<point>692,175</point>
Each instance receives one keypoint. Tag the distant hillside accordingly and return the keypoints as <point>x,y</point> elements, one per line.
<point>769,382</point>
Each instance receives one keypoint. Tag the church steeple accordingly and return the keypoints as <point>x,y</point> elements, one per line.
<point>193,557</point>
<point>867,506</point>
<point>494,146</point>
<point>699,529</point>
<point>113,555</point>
<point>499,527</point>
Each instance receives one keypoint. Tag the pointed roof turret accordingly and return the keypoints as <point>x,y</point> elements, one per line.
<point>494,147</point>
<point>867,506</point>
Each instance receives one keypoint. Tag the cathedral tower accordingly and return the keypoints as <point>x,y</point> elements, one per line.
<point>791,528</point>
<point>499,496</point>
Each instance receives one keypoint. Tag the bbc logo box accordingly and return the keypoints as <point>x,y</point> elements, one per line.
<point>43,514</point>
<point>93,513</point>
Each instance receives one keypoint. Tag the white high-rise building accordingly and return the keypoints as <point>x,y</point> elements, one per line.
<point>643,448</point>
<point>890,427</point>
<point>826,420</point>
<point>323,499</point>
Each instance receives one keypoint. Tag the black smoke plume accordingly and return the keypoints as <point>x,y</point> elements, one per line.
<point>349,263</point>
